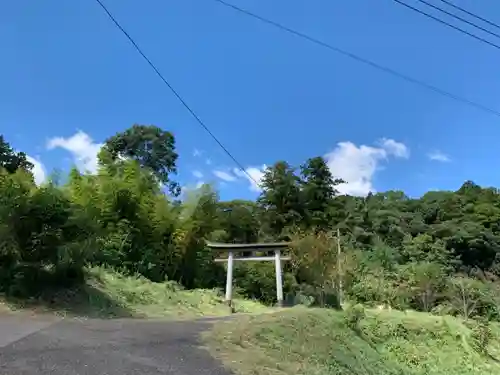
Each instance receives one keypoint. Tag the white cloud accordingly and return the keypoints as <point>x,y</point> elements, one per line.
<point>397,149</point>
<point>38,170</point>
<point>253,175</point>
<point>224,176</point>
<point>199,184</point>
<point>208,162</point>
<point>438,156</point>
<point>357,165</point>
<point>197,152</point>
<point>82,147</point>
<point>197,174</point>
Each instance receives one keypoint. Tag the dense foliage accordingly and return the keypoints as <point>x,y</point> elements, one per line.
<point>440,252</point>
<point>10,160</point>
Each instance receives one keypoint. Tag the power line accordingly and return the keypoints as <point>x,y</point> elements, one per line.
<point>447,24</point>
<point>459,18</point>
<point>471,14</point>
<point>362,59</point>
<point>177,95</point>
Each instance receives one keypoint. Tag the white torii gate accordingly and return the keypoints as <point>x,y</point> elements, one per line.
<point>231,249</point>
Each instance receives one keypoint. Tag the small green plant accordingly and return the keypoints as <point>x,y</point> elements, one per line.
<point>354,315</point>
<point>481,336</point>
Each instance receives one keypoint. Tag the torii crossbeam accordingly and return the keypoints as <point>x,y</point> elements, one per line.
<point>231,249</point>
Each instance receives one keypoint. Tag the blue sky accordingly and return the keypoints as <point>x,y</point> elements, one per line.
<point>69,79</point>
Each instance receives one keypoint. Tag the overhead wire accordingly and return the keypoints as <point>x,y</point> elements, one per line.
<point>447,23</point>
<point>471,13</point>
<point>459,18</point>
<point>361,59</point>
<point>175,92</point>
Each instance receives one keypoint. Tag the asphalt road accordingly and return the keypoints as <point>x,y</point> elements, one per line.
<point>38,345</point>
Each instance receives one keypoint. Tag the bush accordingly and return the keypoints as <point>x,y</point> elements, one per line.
<point>258,281</point>
<point>378,288</point>
<point>49,238</point>
<point>353,316</point>
<point>471,298</point>
<point>481,335</point>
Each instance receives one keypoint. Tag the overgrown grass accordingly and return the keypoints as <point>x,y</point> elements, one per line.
<point>321,342</point>
<point>111,294</point>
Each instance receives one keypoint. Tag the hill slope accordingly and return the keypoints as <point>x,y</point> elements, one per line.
<point>320,342</point>
<point>107,293</point>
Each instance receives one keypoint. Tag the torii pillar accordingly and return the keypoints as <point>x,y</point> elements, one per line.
<point>232,249</point>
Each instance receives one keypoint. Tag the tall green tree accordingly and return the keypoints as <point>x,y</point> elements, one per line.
<point>318,190</point>
<point>152,147</point>
<point>280,200</point>
<point>196,224</point>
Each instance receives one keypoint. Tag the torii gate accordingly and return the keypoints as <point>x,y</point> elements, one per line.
<point>231,249</point>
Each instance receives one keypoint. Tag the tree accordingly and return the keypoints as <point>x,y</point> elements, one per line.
<point>316,259</point>
<point>280,200</point>
<point>424,248</point>
<point>466,295</point>
<point>426,281</point>
<point>152,147</point>
<point>196,223</point>
<point>318,191</point>
<point>238,219</point>
<point>10,160</point>
<point>43,236</point>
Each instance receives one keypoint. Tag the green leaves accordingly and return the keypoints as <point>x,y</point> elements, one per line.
<point>291,201</point>
<point>152,147</point>
<point>238,219</point>
<point>10,160</point>
<point>280,201</point>
<point>317,193</point>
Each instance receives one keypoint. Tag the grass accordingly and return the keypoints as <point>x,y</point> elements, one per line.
<point>108,294</point>
<point>325,342</point>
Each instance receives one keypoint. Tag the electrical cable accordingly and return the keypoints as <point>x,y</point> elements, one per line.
<point>363,60</point>
<point>447,24</point>
<point>471,14</point>
<point>177,95</point>
<point>459,18</point>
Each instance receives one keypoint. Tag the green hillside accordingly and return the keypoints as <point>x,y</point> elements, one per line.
<point>375,342</point>
<point>107,293</point>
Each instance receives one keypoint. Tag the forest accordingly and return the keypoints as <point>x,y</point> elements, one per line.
<point>439,253</point>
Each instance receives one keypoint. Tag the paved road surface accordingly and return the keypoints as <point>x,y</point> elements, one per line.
<point>39,346</point>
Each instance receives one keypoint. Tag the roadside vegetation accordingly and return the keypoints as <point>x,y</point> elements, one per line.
<point>109,294</point>
<point>356,342</point>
